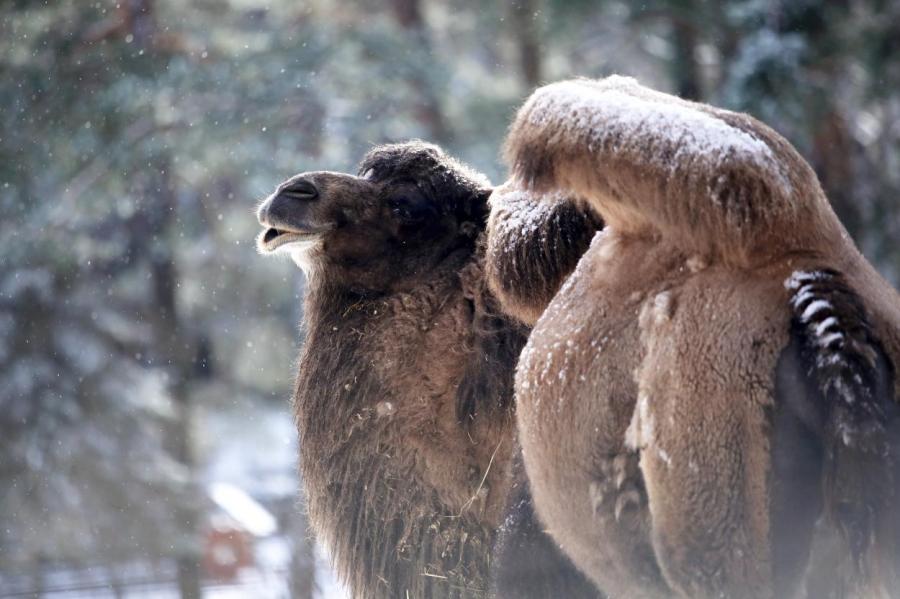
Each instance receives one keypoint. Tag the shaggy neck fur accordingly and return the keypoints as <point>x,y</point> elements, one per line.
<point>403,408</point>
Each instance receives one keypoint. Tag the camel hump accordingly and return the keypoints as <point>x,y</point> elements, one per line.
<point>713,180</point>
<point>850,381</point>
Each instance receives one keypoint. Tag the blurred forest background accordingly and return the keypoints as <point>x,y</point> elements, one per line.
<point>146,350</point>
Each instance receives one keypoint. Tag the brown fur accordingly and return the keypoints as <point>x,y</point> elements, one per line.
<point>399,489</point>
<point>525,272</point>
<point>527,562</point>
<point>666,391</point>
<point>404,386</point>
<point>403,393</point>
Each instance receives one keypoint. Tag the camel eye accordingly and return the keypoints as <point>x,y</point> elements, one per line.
<point>411,206</point>
<point>406,210</point>
<point>402,211</point>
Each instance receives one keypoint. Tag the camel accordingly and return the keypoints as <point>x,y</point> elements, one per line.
<point>403,395</point>
<point>715,383</point>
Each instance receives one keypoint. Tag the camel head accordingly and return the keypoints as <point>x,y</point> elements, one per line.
<point>410,207</point>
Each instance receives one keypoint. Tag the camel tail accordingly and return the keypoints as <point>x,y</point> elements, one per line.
<point>853,409</point>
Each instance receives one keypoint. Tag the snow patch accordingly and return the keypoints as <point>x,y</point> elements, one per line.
<point>814,308</point>
<point>608,247</point>
<point>520,214</point>
<point>640,430</point>
<point>384,408</point>
<point>657,311</point>
<point>831,338</point>
<point>799,278</point>
<point>663,306</point>
<point>696,263</point>
<point>608,115</point>
<point>247,511</point>
<point>826,324</point>
<point>664,456</point>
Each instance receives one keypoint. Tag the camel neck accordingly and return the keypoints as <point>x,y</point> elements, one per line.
<point>328,304</point>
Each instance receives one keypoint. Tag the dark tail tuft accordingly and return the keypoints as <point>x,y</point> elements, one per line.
<point>854,411</point>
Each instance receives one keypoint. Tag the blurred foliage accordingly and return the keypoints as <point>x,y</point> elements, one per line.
<point>136,135</point>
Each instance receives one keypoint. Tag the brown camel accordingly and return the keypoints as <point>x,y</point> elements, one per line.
<point>715,384</point>
<point>404,391</point>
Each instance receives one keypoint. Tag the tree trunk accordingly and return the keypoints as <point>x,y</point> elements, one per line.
<point>37,577</point>
<point>525,29</point>
<point>685,70</point>
<point>832,157</point>
<point>178,345</point>
<point>176,342</point>
<point>302,575</point>
<point>408,15</point>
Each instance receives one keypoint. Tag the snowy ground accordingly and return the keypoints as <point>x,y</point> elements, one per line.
<point>245,447</point>
<point>256,583</point>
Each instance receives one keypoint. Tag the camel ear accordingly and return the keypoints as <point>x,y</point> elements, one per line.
<point>475,207</point>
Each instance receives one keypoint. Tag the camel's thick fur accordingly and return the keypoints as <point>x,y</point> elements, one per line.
<point>404,388</point>
<point>718,371</point>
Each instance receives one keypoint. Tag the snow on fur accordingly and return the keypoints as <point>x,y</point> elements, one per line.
<point>521,215</point>
<point>836,335</point>
<point>606,113</point>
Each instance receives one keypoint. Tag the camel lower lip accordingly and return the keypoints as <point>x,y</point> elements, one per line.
<point>272,238</point>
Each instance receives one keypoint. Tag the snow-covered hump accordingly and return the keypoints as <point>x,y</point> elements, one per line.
<point>521,213</point>
<point>618,108</point>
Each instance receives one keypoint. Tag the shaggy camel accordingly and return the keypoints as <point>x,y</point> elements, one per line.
<point>404,390</point>
<point>716,380</point>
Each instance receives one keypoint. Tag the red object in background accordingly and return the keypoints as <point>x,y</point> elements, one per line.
<point>226,550</point>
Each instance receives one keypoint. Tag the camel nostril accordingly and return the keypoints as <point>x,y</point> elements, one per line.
<point>301,189</point>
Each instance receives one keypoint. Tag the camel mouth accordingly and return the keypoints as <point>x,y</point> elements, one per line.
<point>274,238</point>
